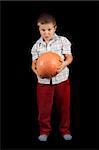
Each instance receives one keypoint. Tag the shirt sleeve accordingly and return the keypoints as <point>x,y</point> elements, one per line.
<point>34,52</point>
<point>66,46</point>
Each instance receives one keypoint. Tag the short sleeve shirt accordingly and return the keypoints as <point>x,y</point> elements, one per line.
<point>60,45</point>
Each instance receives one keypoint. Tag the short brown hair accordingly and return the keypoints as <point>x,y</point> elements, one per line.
<point>45,18</point>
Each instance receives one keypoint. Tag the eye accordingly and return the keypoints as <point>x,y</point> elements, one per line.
<point>49,29</point>
<point>43,30</point>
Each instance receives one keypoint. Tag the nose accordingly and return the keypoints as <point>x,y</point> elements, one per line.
<point>46,32</point>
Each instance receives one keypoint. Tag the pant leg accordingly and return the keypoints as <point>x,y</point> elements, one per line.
<point>62,99</point>
<point>44,102</point>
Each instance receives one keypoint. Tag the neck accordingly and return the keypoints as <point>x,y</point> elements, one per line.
<point>46,42</point>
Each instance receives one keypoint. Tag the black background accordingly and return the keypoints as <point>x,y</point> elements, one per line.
<point>76,21</point>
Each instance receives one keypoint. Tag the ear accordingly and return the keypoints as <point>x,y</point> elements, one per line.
<point>55,27</point>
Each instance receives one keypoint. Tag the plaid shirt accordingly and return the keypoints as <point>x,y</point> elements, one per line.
<point>60,45</point>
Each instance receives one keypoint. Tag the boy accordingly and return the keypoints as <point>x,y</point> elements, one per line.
<point>57,86</point>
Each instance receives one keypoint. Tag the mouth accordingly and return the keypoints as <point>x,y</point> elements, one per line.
<point>46,37</point>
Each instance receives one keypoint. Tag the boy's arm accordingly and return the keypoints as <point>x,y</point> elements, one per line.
<point>34,66</point>
<point>68,60</point>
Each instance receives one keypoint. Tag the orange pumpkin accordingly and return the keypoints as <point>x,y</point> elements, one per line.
<point>47,64</point>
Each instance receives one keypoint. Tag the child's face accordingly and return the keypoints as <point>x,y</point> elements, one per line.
<point>47,31</point>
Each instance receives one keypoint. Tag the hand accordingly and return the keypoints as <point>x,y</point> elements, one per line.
<point>62,66</point>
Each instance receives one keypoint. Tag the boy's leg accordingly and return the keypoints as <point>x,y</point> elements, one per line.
<point>62,98</point>
<point>44,102</point>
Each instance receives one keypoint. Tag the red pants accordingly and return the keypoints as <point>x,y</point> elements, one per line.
<point>45,94</point>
